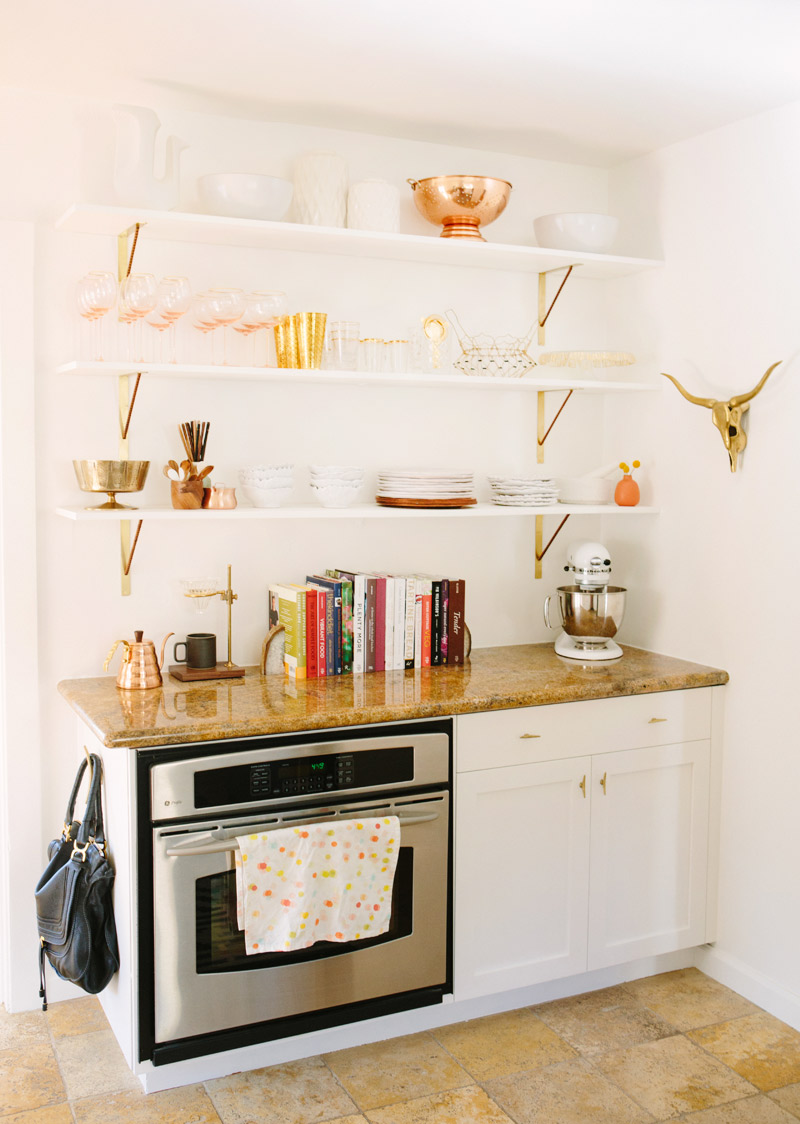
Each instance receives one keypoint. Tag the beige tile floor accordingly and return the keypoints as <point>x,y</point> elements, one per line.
<point>676,1047</point>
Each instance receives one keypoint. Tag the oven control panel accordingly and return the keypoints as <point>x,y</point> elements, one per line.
<point>299,776</point>
<point>303,776</point>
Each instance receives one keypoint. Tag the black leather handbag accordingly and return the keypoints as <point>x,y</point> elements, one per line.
<point>74,905</point>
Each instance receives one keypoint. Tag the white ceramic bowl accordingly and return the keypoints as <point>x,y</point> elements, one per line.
<point>241,195</point>
<point>267,497</point>
<point>267,473</point>
<point>585,489</point>
<point>577,230</point>
<point>337,476</point>
<point>341,494</point>
<point>337,471</point>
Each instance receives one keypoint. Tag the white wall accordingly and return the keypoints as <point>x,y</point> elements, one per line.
<point>714,579</point>
<point>63,153</point>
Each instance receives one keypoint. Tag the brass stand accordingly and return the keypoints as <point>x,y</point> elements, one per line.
<point>228,596</point>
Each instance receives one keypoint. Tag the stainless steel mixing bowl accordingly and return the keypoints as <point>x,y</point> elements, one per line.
<point>590,617</point>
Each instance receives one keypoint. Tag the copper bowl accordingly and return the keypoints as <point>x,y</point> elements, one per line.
<point>461,204</point>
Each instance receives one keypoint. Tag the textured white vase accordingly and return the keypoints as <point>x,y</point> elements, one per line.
<point>373,205</point>
<point>320,189</point>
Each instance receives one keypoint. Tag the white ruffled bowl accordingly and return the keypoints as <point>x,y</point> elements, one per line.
<point>267,497</point>
<point>342,494</point>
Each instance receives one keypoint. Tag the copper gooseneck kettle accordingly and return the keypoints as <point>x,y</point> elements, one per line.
<point>140,668</point>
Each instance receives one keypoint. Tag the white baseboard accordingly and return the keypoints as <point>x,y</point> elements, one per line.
<point>155,1078</point>
<point>751,984</point>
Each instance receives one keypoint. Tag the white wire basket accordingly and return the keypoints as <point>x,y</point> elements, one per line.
<point>498,356</point>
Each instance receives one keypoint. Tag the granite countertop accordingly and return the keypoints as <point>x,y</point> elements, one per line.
<point>492,679</point>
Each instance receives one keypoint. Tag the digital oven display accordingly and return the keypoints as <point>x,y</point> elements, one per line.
<point>297,776</point>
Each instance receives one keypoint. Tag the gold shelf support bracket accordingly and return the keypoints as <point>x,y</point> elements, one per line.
<point>541,550</point>
<point>127,551</point>
<point>541,433</point>
<point>125,403</point>
<point>544,311</point>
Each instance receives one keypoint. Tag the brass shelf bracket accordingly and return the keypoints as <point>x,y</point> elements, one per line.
<point>541,433</point>
<point>127,554</point>
<point>125,416</point>
<point>541,550</point>
<point>125,403</point>
<point>544,310</point>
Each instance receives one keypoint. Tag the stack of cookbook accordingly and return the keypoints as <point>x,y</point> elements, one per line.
<point>343,622</point>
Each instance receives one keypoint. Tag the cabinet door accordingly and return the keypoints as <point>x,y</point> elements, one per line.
<point>649,851</point>
<point>521,875</point>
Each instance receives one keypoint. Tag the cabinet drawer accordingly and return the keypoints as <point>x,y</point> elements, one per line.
<point>542,733</point>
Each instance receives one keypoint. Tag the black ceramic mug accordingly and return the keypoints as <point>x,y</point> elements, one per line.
<point>200,650</point>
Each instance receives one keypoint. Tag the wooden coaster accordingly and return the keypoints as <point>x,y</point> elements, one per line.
<point>194,674</point>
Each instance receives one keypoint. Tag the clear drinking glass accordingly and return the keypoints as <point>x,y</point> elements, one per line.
<point>370,354</point>
<point>202,318</point>
<point>96,294</point>
<point>138,295</point>
<point>273,305</point>
<point>398,361</point>
<point>263,309</point>
<point>174,301</point>
<point>226,306</point>
<point>343,345</point>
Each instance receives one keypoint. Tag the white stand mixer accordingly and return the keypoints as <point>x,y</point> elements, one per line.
<point>591,610</point>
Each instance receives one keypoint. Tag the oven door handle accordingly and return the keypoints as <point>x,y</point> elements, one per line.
<point>219,846</point>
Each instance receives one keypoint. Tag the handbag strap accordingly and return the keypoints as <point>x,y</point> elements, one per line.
<point>69,815</point>
<point>92,824</point>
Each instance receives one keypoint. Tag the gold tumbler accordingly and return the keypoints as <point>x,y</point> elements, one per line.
<point>310,332</point>
<point>286,342</point>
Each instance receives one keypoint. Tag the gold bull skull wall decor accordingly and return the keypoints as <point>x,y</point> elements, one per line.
<point>727,416</point>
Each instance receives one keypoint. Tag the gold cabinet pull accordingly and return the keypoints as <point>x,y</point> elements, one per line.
<point>530,736</point>
<point>603,783</point>
<point>652,720</point>
<point>582,786</point>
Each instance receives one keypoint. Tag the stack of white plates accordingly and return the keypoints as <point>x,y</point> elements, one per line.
<point>523,491</point>
<point>422,487</point>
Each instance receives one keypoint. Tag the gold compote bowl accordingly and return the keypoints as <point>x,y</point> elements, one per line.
<point>111,477</point>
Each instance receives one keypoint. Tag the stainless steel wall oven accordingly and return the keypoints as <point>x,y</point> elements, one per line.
<point>198,991</point>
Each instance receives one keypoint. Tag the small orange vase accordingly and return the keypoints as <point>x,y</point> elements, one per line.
<point>626,493</point>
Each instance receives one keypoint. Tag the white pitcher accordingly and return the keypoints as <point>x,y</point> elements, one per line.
<point>135,180</point>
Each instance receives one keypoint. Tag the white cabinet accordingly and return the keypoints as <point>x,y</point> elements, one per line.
<point>649,851</point>
<point>522,875</point>
<point>579,862</point>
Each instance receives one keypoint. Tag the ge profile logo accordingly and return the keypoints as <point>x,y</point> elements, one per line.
<point>167,803</point>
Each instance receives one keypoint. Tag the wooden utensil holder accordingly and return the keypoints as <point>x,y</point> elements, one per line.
<point>186,494</point>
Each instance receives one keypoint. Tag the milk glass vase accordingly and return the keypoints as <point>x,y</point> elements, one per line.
<point>373,205</point>
<point>320,189</point>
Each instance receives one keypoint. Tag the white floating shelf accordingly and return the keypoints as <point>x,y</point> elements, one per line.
<point>303,377</point>
<point>87,218</point>
<point>357,511</point>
